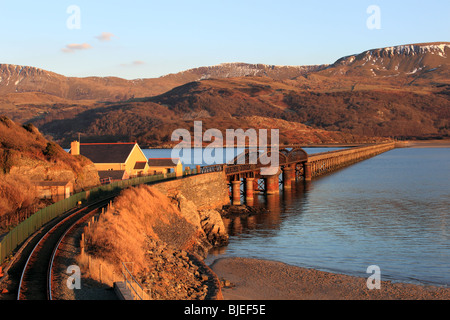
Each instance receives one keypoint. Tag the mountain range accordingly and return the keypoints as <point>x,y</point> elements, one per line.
<point>16,81</point>
<point>401,91</point>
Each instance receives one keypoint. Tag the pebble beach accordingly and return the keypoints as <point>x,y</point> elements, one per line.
<point>254,279</point>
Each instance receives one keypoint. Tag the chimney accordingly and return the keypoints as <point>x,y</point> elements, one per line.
<point>75,148</point>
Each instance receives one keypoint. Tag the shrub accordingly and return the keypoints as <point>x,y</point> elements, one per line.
<point>5,160</point>
<point>51,150</point>
<point>30,128</point>
<point>17,193</point>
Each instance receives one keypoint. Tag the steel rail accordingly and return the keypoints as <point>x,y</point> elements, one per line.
<point>34,249</point>
<point>55,250</point>
<point>52,229</point>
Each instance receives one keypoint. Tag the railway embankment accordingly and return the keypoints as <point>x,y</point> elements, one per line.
<point>162,232</point>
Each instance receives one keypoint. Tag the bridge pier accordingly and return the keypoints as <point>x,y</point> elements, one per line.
<point>307,171</point>
<point>272,184</point>
<point>249,190</point>
<point>288,177</point>
<point>236,192</point>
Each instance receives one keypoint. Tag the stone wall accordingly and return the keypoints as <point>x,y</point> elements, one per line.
<point>206,191</point>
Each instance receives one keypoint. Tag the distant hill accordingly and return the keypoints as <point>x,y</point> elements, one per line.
<point>15,81</point>
<point>250,102</point>
<point>414,59</point>
<point>401,91</point>
<point>236,70</point>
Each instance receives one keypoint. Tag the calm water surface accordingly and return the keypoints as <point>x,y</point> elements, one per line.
<point>391,210</point>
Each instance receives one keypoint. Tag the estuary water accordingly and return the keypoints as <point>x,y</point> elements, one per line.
<point>392,211</point>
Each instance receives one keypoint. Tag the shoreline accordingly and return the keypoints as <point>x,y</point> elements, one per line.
<point>258,279</point>
<point>444,143</point>
<point>437,143</point>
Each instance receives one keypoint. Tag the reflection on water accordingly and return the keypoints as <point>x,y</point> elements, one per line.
<point>391,211</point>
<point>266,222</point>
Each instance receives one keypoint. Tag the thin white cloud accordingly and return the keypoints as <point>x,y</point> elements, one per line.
<point>134,63</point>
<point>76,46</point>
<point>105,36</point>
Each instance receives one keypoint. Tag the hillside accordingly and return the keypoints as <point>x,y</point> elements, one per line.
<point>151,122</point>
<point>381,111</point>
<point>235,70</point>
<point>414,59</point>
<point>26,156</point>
<point>163,237</point>
<point>400,91</point>
<point>16,82</point>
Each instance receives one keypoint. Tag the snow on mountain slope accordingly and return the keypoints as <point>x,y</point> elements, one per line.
<point>392,61</point>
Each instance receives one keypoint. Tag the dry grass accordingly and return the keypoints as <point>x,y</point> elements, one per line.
<point>17,197</point>
<point>26,142</point>
<point>99,269</point>
<point>24,146</point>
<point>16,193</point>
<point>121,233</point>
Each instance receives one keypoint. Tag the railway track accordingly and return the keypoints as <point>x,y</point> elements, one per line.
<point>36,277</point>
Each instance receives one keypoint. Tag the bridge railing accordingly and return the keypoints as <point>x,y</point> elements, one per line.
<point>230,169</point>
<point>337,153</point>
<point>240,168</point>
<point>213,168</point>
<point>325,162</point>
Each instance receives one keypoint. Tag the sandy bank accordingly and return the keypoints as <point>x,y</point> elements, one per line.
<point>426,143</point>
<point>269,280</point>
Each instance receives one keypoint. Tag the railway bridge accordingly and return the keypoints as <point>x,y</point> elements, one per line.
<point>294,165</point>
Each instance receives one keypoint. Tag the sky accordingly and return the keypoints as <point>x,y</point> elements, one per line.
<point>146,39</point>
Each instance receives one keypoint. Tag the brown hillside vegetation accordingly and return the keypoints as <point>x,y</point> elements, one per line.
<point>20,142</point>
<point>137,214</point>
<point>145,227</point>
<point>220,104</point>
<point>140,122</point>
<point>413,60</point>
<point>26,156</point>
<point>351,114</point>
<point>17,82</point>
<point>400,91</point>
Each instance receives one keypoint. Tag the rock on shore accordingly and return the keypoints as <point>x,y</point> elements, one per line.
<point>213,226</point>
<point>173,274</point>
<point>208,221</point>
